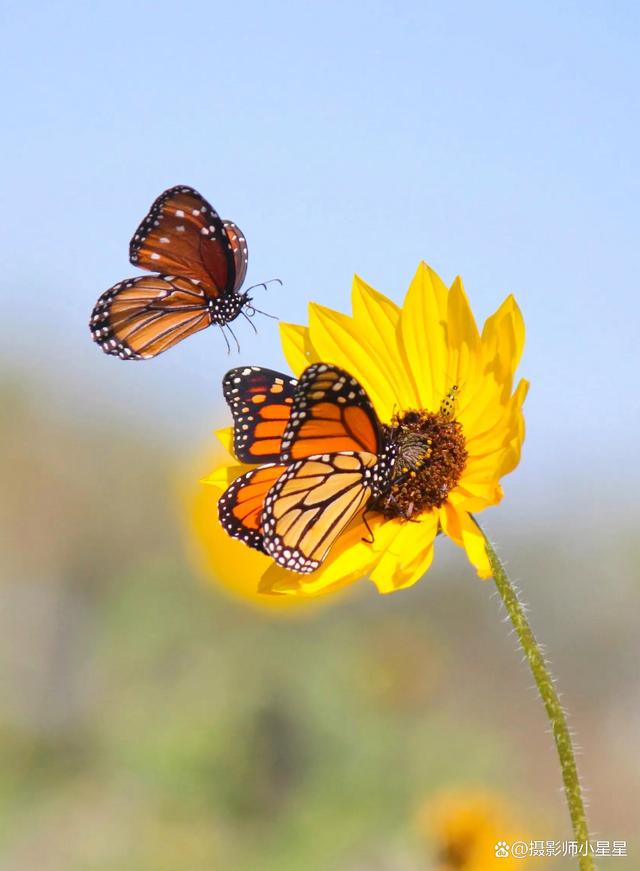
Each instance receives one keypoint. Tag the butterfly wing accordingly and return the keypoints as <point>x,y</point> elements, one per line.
<point>142,317</point>
<point>260,401</point>
<point>241,504</point>
<point>331,413</point>
<point>184,235</point>
<point>240,252</point>
<point>311,504</point>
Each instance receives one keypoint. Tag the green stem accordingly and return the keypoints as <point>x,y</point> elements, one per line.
<point>550,700</point>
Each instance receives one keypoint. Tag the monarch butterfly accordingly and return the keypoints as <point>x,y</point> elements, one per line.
<point>202,263</point>
<point>334,458</point>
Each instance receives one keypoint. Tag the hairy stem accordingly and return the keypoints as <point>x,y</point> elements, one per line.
<point>544,682</point>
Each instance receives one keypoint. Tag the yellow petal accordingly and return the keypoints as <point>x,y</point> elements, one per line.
<point>418,568</point>
<point>482,407</point>
<point>462,336</point>
<point>423,337</point>
<point>224,475</point>
<point>337,339</point>
<point>519,330</point>
<point>297,347</point>
<point>225,437</point>
<point>475,547</point>
<point>485,468</point>
<point>408,557</point>
<point>464,531</point>
<point>378,318</point>
<point>490,442</point>
<point>490,388</point>
<point>476,495</point>
<point>503,338</point>
<point>511,457</point>
<point>482,471</point>
<point>374,310</point>
<point>502,458</point>
<point>281,583</point>
<point>487,449</point>
<point>487,409</point>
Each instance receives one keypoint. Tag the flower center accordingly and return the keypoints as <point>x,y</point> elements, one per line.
<point>431,458</point>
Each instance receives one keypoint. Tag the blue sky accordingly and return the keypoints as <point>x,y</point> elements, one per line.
<point>494,140</point>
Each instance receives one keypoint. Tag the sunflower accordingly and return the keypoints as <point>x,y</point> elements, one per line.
<point>432,376</point>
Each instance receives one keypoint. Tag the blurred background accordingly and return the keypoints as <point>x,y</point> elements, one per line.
<point>147,719</point>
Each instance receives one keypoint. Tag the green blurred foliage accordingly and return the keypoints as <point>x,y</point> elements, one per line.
<point>150,723</point>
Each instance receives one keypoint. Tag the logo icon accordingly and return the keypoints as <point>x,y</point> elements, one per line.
<point>502,850</point>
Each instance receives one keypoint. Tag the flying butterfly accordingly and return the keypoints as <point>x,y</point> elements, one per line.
<point>334,459</point>
<point>201,262</point>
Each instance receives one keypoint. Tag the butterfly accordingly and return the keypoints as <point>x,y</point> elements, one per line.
<point>334,457</point>
<point>201,261</point>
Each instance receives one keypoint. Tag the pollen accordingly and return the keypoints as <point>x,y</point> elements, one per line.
<point>432,456</point>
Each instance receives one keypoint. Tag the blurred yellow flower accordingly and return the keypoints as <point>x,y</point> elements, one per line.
<point>426,368</point>
<point>216,556</point>
<point>463,829</point>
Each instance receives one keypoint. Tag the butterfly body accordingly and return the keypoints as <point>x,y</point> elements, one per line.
<point>200,261</point>
<point>223,310</point>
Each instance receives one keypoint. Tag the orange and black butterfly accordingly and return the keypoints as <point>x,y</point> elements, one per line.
<point>334,458</point>
<point>202,263</point>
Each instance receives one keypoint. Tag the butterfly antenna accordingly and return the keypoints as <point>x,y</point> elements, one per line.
<point>264,284</point>
<point>253,310</point>
<point>394,422</point>
<point>247,318</point>
<point>366,523</point>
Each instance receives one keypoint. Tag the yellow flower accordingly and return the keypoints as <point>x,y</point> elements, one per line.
<point>426,357</point>
<point>464,828</point>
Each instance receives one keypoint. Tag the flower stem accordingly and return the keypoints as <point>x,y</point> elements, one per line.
<point>550,700</point>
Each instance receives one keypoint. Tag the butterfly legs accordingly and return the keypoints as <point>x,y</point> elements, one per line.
<point>222,330</point>
<point>248,319</point>
<point>369,530</point>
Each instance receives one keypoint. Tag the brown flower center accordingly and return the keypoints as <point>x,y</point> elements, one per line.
<point>431,458</point>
